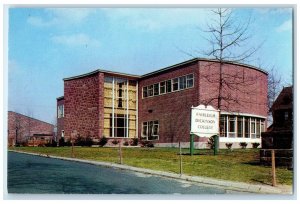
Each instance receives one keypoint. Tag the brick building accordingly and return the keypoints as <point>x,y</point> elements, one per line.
<point>27,130</point>
<point>157,106</point>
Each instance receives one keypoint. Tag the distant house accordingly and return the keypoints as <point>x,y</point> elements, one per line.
<point>280,134</point>
<point>25,130</point>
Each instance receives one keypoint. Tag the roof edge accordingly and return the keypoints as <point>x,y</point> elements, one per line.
<point>31,117</point>
<point>101,71</point>
<point>201,59</point>
<point>61,97</point>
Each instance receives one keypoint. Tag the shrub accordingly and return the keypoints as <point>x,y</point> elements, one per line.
<point>243,145</point>
<point>79,141</point>
<point>88,141</point>
<point>255,145</point>
<point>228,145</point>
<point>147,144</point>
<point>102,141</point>
<point>134,142</point>
<point>211,143</point>
<point>126,143</point>
<point>61,142</point>
<point>115,142</point>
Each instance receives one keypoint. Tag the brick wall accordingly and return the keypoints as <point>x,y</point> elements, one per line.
<point>83,105</point>
<point>27,126</point>
<point>245,87</point>
<point>172,110</point>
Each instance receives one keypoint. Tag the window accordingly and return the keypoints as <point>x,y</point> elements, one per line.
<point>232,125</point>
<point>189,80</point>
<point>247,127</point>
<point>156,89</point>
<point>145,91</point>
<point>162,87</point>
<point>150,130</point>
<point>62,133</point>
<point>150,90</point>
<point>240,127</point>
<point>144,131</point>
<point>223,126</point>
<point>169,86</point>
<point>175,84</point>
<point>182,82</point>
<point>60,111</point>
<point>120,96</point>
<point>257,128</point>
<point>262,127</point>
<point>253,128</point>
<point>120,125</point>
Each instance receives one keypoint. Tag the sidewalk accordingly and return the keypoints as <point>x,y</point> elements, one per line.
<point>229,186</point>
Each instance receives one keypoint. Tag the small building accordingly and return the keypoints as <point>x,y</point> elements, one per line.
<point>280,134</point>
<point>25,130</point>
<point>156,107</point>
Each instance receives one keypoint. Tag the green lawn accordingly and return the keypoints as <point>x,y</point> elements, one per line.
<point>237,165</point>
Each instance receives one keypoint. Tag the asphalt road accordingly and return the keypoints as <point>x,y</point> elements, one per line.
<point>29,174</point>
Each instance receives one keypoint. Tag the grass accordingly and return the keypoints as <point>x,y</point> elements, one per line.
<point>238,165</point>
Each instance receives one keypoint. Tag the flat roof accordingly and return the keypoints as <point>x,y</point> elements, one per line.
<point>102,71</point>
<point>197,60</point>
<point>161,70</point>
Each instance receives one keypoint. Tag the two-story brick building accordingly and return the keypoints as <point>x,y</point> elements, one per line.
<point>157,106</point>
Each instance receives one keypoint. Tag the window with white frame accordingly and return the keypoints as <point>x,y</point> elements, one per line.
<point>182,82</point>
<point>169,86</point>
<point>145,91</point>
<point>156,89</point>
<point>175,84</point>
<point>150,130</point>
<point>150,90</point>
<point>253,128</point>
<point>60,111</point>
<point>233,126</point>
<point>189,80</point>
<point>162,87</point>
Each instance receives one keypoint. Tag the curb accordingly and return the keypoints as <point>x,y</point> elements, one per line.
<point>227,185</point>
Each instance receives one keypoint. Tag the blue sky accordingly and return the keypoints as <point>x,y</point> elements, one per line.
<point>49,44</point>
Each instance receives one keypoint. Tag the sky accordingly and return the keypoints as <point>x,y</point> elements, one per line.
<point>46,45</point>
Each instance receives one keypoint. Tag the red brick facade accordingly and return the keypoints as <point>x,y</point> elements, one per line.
<point>246,87</point>
<point>22,128</point>
<point>83,105</point>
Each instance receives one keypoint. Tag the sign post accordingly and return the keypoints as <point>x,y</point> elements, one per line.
<point>204,123</point>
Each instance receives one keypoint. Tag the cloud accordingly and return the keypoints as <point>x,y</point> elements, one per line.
<point>274,10</point>
<point>285,26</point>
<point>61,16</point>
<point>150,19</point>
<point>75,40</point>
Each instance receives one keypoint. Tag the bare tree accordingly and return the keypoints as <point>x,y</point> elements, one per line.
<point>228,44</point>
<point>274,88</point>
<point>18,128</point>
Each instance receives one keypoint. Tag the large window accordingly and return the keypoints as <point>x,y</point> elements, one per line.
<point>120,125</point>
<point>233,126</point>
<point>168,86</point>
<point>150,130</point>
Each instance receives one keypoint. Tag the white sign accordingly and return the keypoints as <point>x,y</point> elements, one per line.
<point>204,121</point>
